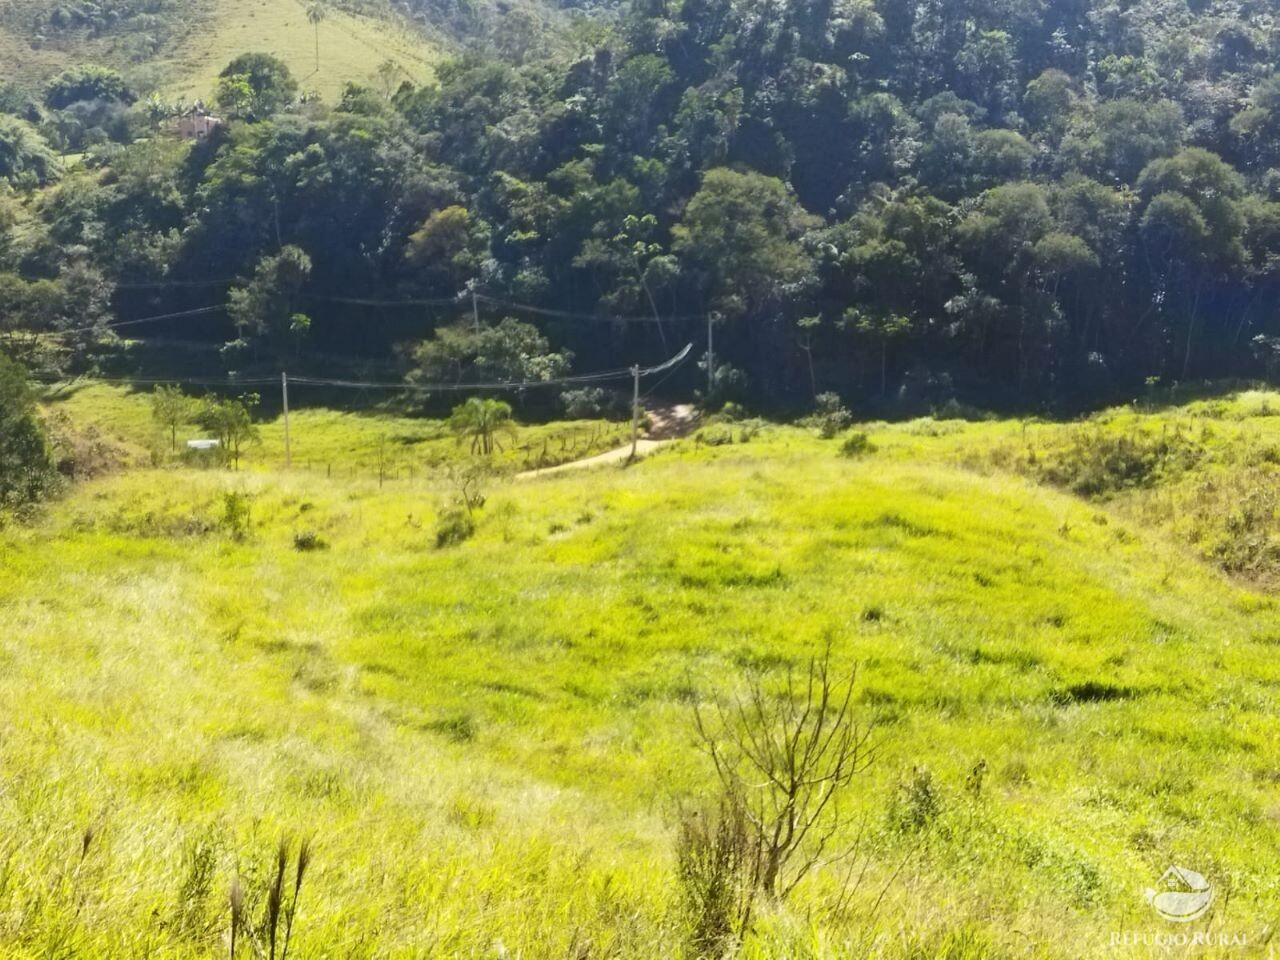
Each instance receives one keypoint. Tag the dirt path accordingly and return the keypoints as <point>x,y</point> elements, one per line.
<point>665,425</point>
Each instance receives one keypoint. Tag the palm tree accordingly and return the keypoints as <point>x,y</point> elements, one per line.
<point>481,420</point>
<point>315,15</point>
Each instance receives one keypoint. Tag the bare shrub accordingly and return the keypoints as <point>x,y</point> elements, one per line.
<point>784,760</point>
<point>82,453</point>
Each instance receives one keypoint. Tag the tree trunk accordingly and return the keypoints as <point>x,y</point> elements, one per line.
<point>1191,329</point>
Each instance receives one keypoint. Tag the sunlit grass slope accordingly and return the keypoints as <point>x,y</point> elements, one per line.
<point>489,742</point>
<point>352,48</point>
<point>338,444</point>
<point>187,63</point>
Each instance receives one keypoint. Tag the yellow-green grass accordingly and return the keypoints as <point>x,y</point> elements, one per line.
<point>33,65</point>
<point>352,48</point>
<point>489,742</point>
<point>390,446</point>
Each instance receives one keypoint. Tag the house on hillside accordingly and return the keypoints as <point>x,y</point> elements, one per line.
<point>196,123</point>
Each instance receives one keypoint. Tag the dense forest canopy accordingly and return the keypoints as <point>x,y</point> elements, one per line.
<point>1044,204</point>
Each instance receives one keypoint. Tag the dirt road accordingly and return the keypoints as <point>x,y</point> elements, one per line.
<point>665,425</point>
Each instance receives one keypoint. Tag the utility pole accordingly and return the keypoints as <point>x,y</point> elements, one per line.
<point>635,413</point>
<point>284,394</point>
<point>475,308</point>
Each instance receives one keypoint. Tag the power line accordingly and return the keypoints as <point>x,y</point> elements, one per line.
<point>428,388</point>
<point>570,315</point>
<point>165,381</point>
<point>217,308</point>
<point>118,324</point>
<point>164,316</point>
<point>424,302</point>
<point>599,377</point>
<point>175,284</point>
<point>370,302</point>
<point>501,304</point>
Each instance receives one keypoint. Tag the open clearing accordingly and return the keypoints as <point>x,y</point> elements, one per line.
<point>351,49</point>
<point>489,742</point>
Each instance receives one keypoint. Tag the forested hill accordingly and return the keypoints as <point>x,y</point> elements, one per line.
<point>165,46</point>
<point>996,202</point>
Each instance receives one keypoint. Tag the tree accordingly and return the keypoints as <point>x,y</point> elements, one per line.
<point>1212,185</point>
<point>171,408</point>
<point>316,14</point>
<point>255,85</point>
<point>265,309</point>
<point>742,233</point>
<point>1122,136</point>
<point>881,330</point>
<point>1007,223</point>
<point>1193,229</point>
<point>635,92</point>
<point>1259,125</point>
<point>449,246</point>
<point>510,352</point>
<point>87,83</point>
<point>481,420</point>
<point>1048,102</point>
<point>1058,255</point>
<point>947,155</point>
<point>231,423</point>
<point>1000,156</point>
<point>26,465</point>
<point>26,159</point>
<point>391,75</point>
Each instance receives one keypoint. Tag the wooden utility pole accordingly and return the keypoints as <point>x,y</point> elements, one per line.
<point>284,395</point>
<point>635,413</point>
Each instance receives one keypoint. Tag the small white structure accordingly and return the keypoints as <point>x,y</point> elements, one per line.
<point>203,444</point>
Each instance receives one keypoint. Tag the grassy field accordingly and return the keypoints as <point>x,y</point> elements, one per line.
<point>352,48</point>
<point>490,744</point>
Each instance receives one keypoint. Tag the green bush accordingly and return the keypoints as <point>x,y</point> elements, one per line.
<point>1096,462</point>
<point>237,514</point>
<point>308,541</point>
<point>830,416</point>
<point>594,403</point>
<point>857,444</point>
<point>713,866</point>
<point>26,465</point>
<point>454,526</point>
<point>916,803</point>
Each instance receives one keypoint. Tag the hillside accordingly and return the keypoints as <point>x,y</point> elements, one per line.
<point>905,208</point>
<point>352,47</point>
<point>177,49</point>
<point>490,743</point>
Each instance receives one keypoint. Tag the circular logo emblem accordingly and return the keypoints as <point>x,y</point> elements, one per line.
<point>1182,895</point>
